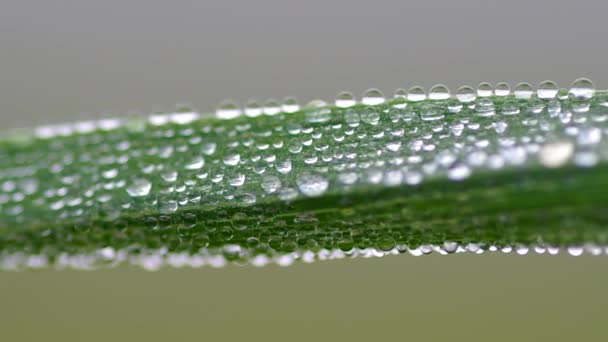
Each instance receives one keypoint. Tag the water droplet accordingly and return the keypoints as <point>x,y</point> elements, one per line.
<point>466,94</point>
<point>139,187</point>
<point>547,90</point>
<point>459,172</point>
<point>345,99</point>
<point>271,184</point>
<point>439,92</point>
<point>372,97</point>
<point>290,105</point>
<point>589,136</point>
<point>253,108</point>
<point>400,93</point>
<point>582,89</point>
<point>237,180</point>
<point>370,116</point>
<point>523,90</point>
<point>555,154</point>
<point>227,110</point>
<point>195,164</point>
<point>232,159</point>
<point>312,184</point>
<point>272,107</point>
<point>431,112</point>
<point>484,89</point>
<point>416,93</point>
<point>502,89</point>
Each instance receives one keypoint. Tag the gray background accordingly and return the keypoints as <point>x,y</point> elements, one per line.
<point>62,60</point>
<point>68,60</point>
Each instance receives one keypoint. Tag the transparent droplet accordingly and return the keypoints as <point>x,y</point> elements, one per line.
<point>345,99</point>
<point>547,90</point>
<point>523,90</point>
<point>589,136</point>
<point>466,94</point>
<point>370,116</point>
<point>459,172</point>
<point>416,93</point>
<point>502,89</point>
<point>227,110</point>
<point>400,93</point>
<point>582,89</point>
<point>312,184</point>
<point>139,187</point>
<point>484,89</point>
<point>439,92</point>
<point>271,184</point>
<point>253,108</point>
<point>237,180</point>
<point>232,159</point>
<point>555,154</point>
<point>372,97</point>
<point>271,107</point>
<point>290,105</point>
<point>195,163</point>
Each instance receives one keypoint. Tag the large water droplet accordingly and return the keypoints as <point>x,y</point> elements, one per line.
<point>439,92</point>
<point>195,163</point>
<point>345,99</point>
<point>253,108</point>
<point>290,105</point>
<point>372,97</point>
<point>271,184</point>
<point>547,90</point>
<point>272,107</point>
<point>466,94</point>
<point>555,154</point>
<point>484,89</point>
<point>370,116</point>
<point>502,89</point>
<point>139,187</point>
<point>416,93</point>
<point>582,89</point>
<point>312,184</point>
<point>523,90</point>
<point>228,110</point>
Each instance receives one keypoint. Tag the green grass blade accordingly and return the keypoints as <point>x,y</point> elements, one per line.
<point>408,175</point>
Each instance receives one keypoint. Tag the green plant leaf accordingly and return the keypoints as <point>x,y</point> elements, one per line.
<point>484,170</point>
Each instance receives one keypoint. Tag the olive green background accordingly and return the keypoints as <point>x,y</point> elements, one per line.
<point>69,60</point>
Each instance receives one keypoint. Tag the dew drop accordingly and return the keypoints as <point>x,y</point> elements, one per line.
<point>523,90</point>
<point>400,93</point>
<point>459,172</point>
<point>253,108</point>
<point>195,164</point>
<point>272,107</point>
<point>555,154</point>
<point>439,92</point>
<point>139,187</point>
<point>582,89</point>
<point>370,116</point>
<point>290,105</point>
<point>345,99</point>
<point>372,97</point>
<point>232,159</point>
<point>547,90</point>
<point>271,184</point>
<point>502,89</point>
<point>416,94</point>
<point>466,94</point>
<point>312,184</point>
<point>228,109</point>
<point>484,89</point>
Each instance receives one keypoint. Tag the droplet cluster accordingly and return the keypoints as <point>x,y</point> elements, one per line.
<point>272,181</point>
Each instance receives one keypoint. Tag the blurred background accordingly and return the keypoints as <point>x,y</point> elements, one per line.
<point>69,60</point>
